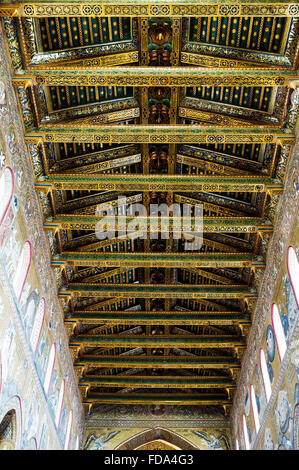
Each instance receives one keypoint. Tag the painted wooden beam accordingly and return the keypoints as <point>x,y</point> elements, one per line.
<point>164,225</point>
<point>144,8</point>
<point>149,341</point>
<point>70,75</point>
<point>157,382</point>
<point>172,260</point>
<point>90,130</point>
<point>141,182</point>
<point>158,398</point>
<point>161,362</point>
<point>156,318</point>
<point>182,291</point>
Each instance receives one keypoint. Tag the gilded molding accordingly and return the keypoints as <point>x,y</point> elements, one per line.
<point>140,182</point>
<point>157,398</point>
<point>188,341</point>
<point>174,8</point>
<point>207,362</point>
<point>208,118</point>
<point>157,381</point>
<point>209,166</point>
<point>154,134</point>
<point>210,224</point>
<point>183,260</point>
<point>90,75</point>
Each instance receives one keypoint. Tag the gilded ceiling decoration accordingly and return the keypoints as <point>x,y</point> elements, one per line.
<point>136,103</point>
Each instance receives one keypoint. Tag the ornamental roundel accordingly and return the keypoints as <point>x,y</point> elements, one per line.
<point>210,187</point>
<point>279,81</point>
<point>159,138</point>
<point>101,138</point>
<point>293,10</point>
<point>227,63</point>
<point>215,138</point>
<point>97,81</point>
<point>29,10</point>
<point>89,10</point>
<point>159,81</point>
<point>156,10</point>
<point>229,10</point>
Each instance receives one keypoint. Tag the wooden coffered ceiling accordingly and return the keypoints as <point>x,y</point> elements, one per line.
<point>185,102</point>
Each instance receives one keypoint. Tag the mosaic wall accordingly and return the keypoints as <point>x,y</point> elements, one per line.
<point>40,406</point>
<point>156,427</point>
<point>266,412</point>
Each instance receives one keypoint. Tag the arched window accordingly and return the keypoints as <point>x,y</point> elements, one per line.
<point>68,431</point>
<point>278,331</point>
<point>50,367</point>
<point>8,431</point>
<point>254,409</point>
<point>6,191</point>
<point>245,434</point>
<point>265,375</point>
<point>293,271</point>
<point>237,445</point>
<point>37,325</point>
<point>60,404</point>
<point>22,269</point>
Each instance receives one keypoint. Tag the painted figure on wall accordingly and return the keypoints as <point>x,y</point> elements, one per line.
<point>30,312</point>
<point>284,421</point>
<point>290,316</point>
<point>7,347</point>
<point>42,354</point>
<point>99,443</point>
<point>53,391</point>
<point>260,392</point>
<point>31,423</point>
<point>247,403</point>
<point>62,425</point>
<point>11,253</point>
<point>268,441</point>
<point>213,442</point>
<point>270,342</point>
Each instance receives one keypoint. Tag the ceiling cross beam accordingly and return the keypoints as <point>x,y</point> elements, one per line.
<point>157,398</point>
<point>164,225</point>
<point>161,362</point>
<point>142,182</point>
<point>172,260</point>
<point>92,131</point>
<point>149,341</point>
<point>187,8</point>
<point>156,318</point>
<point>71,75</point>
<point>156,381</point>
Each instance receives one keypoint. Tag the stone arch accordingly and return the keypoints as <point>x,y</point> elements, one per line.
<point>157,438</point>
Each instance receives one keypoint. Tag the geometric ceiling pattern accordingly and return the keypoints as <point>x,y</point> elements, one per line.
<point>181,103</point>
